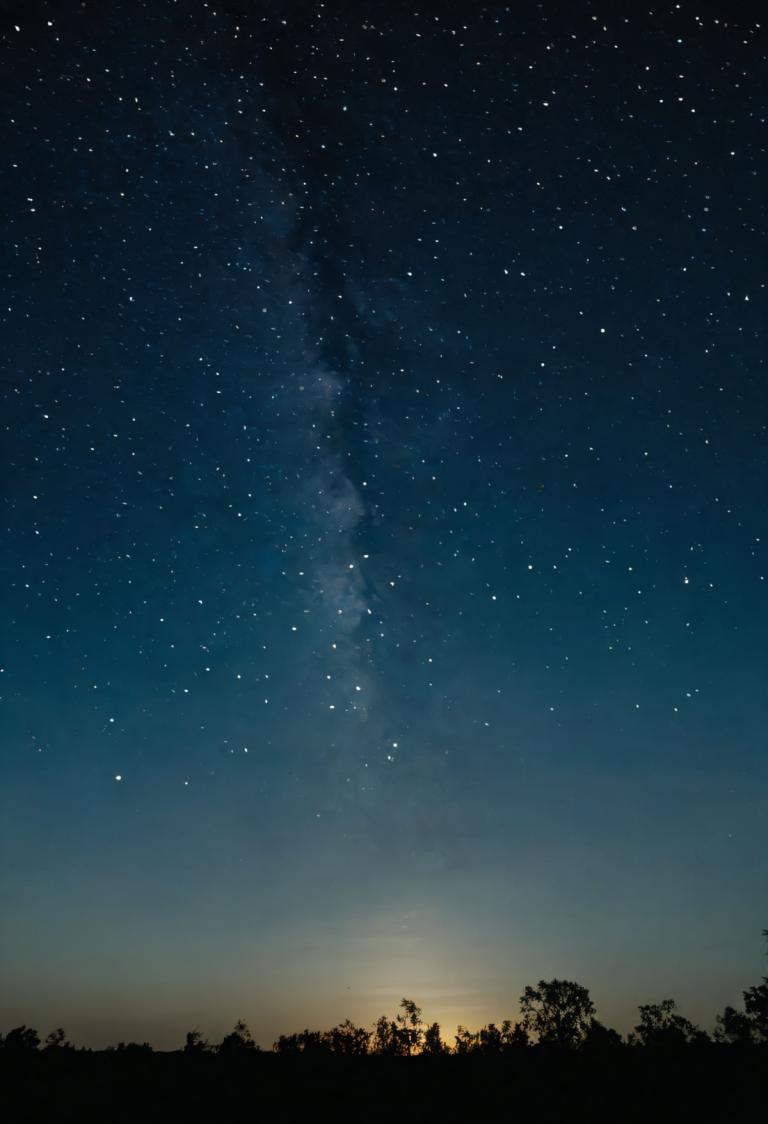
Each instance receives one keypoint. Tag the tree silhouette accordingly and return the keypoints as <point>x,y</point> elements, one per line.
<point>132,1049</point>
<point>734,1028</point>
<point>409,1025</point>
<point>600,1037</point>
<point>432,1042</point>
<point>557,1012</point>
<point>238,1041</point>
<point>756,1007</point>
<point>348,1039</point>
<point>750,1026</point>
<point>345,1039</point>
<point>491,1040</point>
<point>287,1044</point>
<point>660,1025</point>
<point>194,1043</point>
<point>57,1040</point>
<point>388,1039</point>
<point>466,1041</point>
<point>515,1037</point>
<point>304,1042</point>
<point>21,1039</point>
<point>401,1036</point>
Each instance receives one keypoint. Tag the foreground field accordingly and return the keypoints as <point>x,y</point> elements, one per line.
<point>622,1085</point>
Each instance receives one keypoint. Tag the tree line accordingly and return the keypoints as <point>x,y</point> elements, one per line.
<point>554,1014</point>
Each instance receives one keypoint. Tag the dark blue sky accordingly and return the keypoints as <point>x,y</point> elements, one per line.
<point>385,470</point>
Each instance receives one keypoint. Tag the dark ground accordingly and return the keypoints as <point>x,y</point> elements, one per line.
<point>626,1085</point>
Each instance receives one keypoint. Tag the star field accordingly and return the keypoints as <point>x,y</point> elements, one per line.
<point>384,589</point>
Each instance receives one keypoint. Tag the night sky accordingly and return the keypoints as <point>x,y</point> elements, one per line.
<point>384,437</point>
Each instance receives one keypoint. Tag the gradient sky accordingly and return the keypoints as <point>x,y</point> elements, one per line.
<point>384,599</point>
